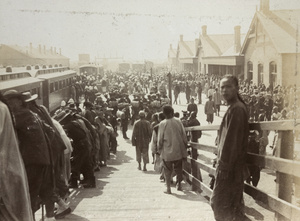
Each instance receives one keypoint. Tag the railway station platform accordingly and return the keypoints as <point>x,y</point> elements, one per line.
<point>125,193</point>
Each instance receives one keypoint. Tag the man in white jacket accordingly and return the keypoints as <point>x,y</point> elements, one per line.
<point>172,142</point>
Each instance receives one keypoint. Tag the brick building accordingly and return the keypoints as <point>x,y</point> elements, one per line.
<point>16,56</point>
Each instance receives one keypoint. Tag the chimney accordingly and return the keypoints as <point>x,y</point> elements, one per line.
<point>204,30</point>
<point>264,6</point>
<point>44,49</point>
<point>60,51</point>
<point>30,48</point>
<point>54,50</point>
<point>170,46</point>
<point>181,37</point>
<point>237,39</point>
<point>40,49</point>
<point>51,50</point>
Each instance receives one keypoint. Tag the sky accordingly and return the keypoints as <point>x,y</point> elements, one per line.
<point>130,29</point>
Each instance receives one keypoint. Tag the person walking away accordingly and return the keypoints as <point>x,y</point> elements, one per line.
<point>217,101</point>
<point>209,110</point>
<point>141,136</point>
<point>14,192</point>
<point>172,142</point>
<point>227,198</point>
<point>176,93</point>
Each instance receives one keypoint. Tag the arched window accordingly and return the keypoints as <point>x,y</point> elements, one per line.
<point>273,74</point>
<point>260,71</point>
<point>250,71</point>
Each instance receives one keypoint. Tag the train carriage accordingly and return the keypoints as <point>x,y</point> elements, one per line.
<point>91,69</point>
<point>52,84</point>
<point>22,82</point>
<point>56,87</point>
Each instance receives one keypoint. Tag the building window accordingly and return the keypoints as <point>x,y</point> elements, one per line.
<point>250,71</point>
<point>260,71</point>
<point>51,87</point>
<point>56,86</point>
<point>273,74</point>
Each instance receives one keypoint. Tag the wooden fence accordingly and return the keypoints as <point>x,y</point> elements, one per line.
<point>283,163</point>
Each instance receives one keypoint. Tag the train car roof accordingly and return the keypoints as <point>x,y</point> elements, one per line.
<point>33,72</point>
<point>56,74</point>
<point>91,65</point>
<point>4,85</point>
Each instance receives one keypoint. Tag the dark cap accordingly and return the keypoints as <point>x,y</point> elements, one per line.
<point>12,94</point>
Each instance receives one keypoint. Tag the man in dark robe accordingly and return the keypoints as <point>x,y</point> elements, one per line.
<point>141,136</point>
<point>227,197</point>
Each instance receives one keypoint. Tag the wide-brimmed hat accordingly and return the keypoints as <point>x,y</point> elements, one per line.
<point>27,97</point>
<point>12,94</point>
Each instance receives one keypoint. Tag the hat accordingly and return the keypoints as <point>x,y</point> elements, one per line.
<point>27,97</point>
<point>12,94</point>
<point>142,114</point>
<point>63,103</point>
<point>71,101</point>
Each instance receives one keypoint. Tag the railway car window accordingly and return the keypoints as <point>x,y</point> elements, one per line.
<point>56,86</point>
<point>51,87</point>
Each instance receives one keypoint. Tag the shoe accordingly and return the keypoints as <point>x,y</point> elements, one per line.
<point>179,187</point>
<point>62,213</point>
<point>139,168</point>
<point>97,169</point>
<point>168,191</point>
<point>144,169</point>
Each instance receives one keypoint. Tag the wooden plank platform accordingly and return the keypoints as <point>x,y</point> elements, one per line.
<point>125,193</point>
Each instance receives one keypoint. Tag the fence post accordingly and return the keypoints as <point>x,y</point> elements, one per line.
<point>195,171</point>
<point>285,181</point>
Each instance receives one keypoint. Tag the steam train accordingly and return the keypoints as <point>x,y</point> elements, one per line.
<point>52,84</point>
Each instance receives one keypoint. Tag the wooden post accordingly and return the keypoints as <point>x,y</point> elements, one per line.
<point>195,169</point>
<point>285,181</point>
<point>170,87</point>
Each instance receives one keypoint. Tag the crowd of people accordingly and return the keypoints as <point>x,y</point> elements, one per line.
<point>62,151</point>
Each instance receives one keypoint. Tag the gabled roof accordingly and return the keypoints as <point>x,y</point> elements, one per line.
<point>172,53</point>
<point>186,49</point>
<point>219,45</point>
<point>35,53</point>
<point>280,26</point>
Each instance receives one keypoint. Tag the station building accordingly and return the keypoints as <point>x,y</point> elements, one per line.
<point>17,56</point>
<point>268,53</point>
<point>219,54</point>
<point>186,59</point>
<point>271,48</point>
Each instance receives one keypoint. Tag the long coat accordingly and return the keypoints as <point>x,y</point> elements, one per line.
<point>14,191</point>
<point>172,140</point>
<point>141,134</point>
<point>227,197</point>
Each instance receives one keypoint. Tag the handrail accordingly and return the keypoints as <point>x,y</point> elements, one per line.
<point>287,169</point>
